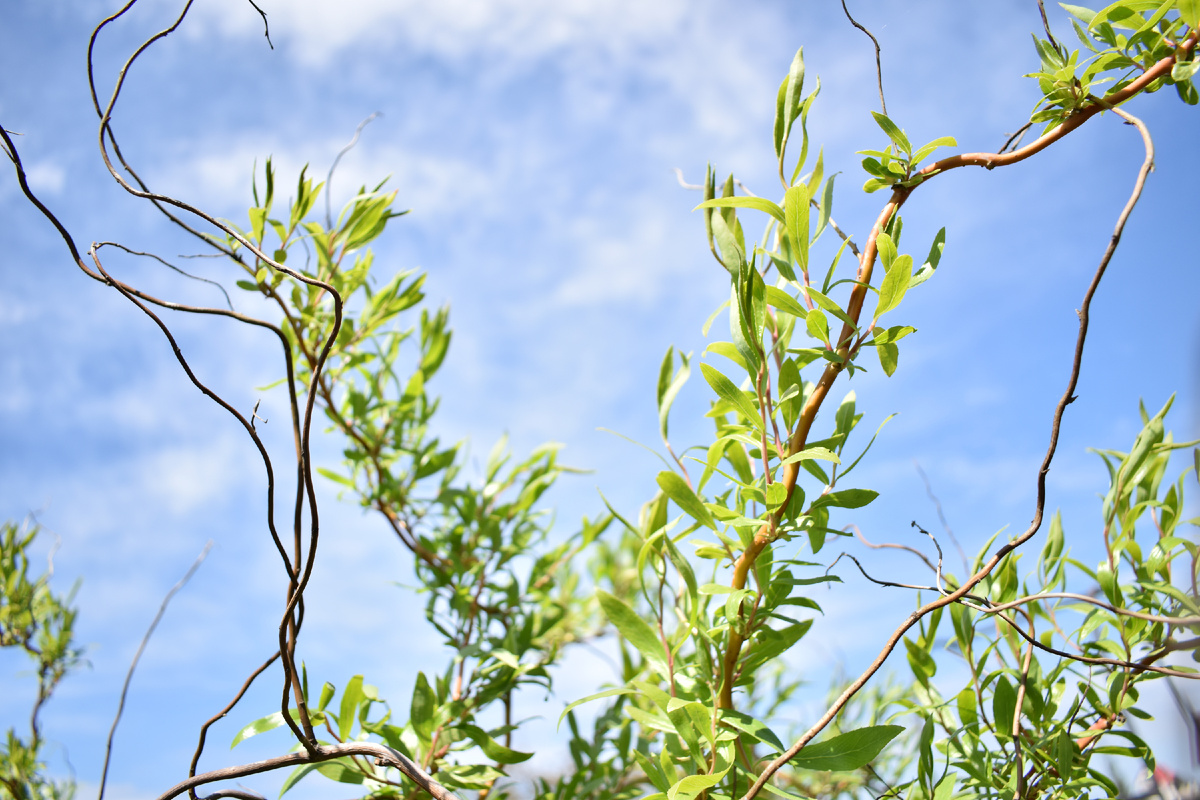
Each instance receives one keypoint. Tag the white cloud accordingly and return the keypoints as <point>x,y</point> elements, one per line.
<point>46,176</point>
<point>522,30</point>
<point>185,477</point>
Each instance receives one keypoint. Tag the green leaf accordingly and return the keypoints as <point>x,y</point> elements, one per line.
<point>1085,15</point>
<point>327,693</point>
<point>752,727</point>
<point>732,255</point>
<point>726,390</point>
<point>787,103</point>
<point>889,357</point>
<point>261,725</point>
<point>635,630</point>
<point>825,207</point>
<point>894,285</point>
<point>796,204</point>
<point>1122,14</point>
<point>491,748</point>
<point>931,261</point>
<point>298,773</point>
<point>887,250</point>
<point>758,203</point>
<point>893,132</point>
<point>784,302</point>
<point>1004,706</point>
<point>848,751</point>
<point>669,385</point>
<point>336,478</point>
<point>596,696</point>
<point>817,325</point>
<point>924,151</point>
<point>676,488</point>
<point>340,770</point>
<point>846,498</point>
<point>809,453</point>
<point>1064,755</point>
<point>1189,12</point>
<point>352,696</point>
<point>691,786</point>
<point>424,702</point>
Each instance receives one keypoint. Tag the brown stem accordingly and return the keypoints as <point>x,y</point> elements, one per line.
<point>1067,398</point>
<point>808,415</point>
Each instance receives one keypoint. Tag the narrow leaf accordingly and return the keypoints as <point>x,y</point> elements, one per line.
<point>893,132</point>
<point>796,204</point>
<point>676,488</point>
<point>491,748</point>
<point>848,751</point>
<point>635,630</point>
<point>726,390</point>
<point>759,203</point>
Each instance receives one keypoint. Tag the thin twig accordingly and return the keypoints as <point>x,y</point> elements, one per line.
<point>938,547</point>
<point>878,63</point>
<point>1083,598</point>
<point>1015,138</point>
<point>941,515</point>
<point>1046,24</point>
<point>684,183</point>
<point>266,28</point>
<point>890,546</point>
<point>162,609</point>
<point>220,714</point>
<point>329,178</point>
<point>168,264</point>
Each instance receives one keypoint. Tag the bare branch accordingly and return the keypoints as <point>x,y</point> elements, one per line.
<point>878,63</point>
<point>169,265</point>
<point>890,546</point>
<point>329,178</point>
<point>219,715</point>
<point>384,756</point>
<point>941,515</point>
<point>162,609</point>
<point>266,28</point>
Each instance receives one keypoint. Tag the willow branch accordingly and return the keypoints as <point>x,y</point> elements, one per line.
<point>1067,398</point>
<point>384,756</point>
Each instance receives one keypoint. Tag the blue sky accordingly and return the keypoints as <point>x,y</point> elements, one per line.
<point>535,143</point>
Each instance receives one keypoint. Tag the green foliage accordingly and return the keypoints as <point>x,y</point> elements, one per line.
<point>40,623</point>
<point>707,593</point>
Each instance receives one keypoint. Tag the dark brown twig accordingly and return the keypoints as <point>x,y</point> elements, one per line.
<point>266,27</point>
<point>221,714</point>
<point>162,609</point>
<point>1046,24</point>
<point>942,516</point>
<point>878,62</point>
<point>169,265</point>
<point>890,546</point>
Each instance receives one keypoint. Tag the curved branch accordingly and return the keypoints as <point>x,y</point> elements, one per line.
<point>1083,598</point>
<point>384,755</point>
<point>992,160</point>
<point>219,715</point>
<point>878,63</point>
<point>1067,398</point>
